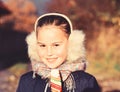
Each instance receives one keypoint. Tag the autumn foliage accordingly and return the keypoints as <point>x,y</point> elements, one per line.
<point>22,17</point>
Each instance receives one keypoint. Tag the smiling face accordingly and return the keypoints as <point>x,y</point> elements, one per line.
<point>52,45</point>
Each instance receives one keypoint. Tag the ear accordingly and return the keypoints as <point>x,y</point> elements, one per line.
<point>76,47</point>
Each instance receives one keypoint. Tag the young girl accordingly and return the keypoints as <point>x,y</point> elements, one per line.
<point>57,56</point>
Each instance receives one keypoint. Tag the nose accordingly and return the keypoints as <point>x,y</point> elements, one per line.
<point>49,50</point>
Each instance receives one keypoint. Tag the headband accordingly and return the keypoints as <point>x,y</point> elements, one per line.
<point>56,14</point>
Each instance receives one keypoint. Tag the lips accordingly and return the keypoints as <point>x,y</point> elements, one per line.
<point>51,59</point>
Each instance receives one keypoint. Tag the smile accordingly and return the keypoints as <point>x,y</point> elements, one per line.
<point>51,59</point>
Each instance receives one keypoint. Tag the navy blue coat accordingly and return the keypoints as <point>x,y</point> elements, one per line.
<point>84,83</point>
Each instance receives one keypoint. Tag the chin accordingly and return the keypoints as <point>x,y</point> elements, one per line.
<point>52,67</point>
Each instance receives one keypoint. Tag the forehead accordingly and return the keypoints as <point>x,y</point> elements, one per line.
<point>51,34</point>
<point>51,29</point>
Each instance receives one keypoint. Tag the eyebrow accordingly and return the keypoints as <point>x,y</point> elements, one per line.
<point>39,42</point>
<point>52,43</point>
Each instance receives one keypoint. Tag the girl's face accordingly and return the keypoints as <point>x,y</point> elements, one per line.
<point>52,45</point>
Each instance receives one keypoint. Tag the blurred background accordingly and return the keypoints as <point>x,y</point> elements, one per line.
<point>98,19</point>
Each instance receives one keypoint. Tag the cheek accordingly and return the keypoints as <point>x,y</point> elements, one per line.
<point>41,53</point>
<point>62,52</point>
